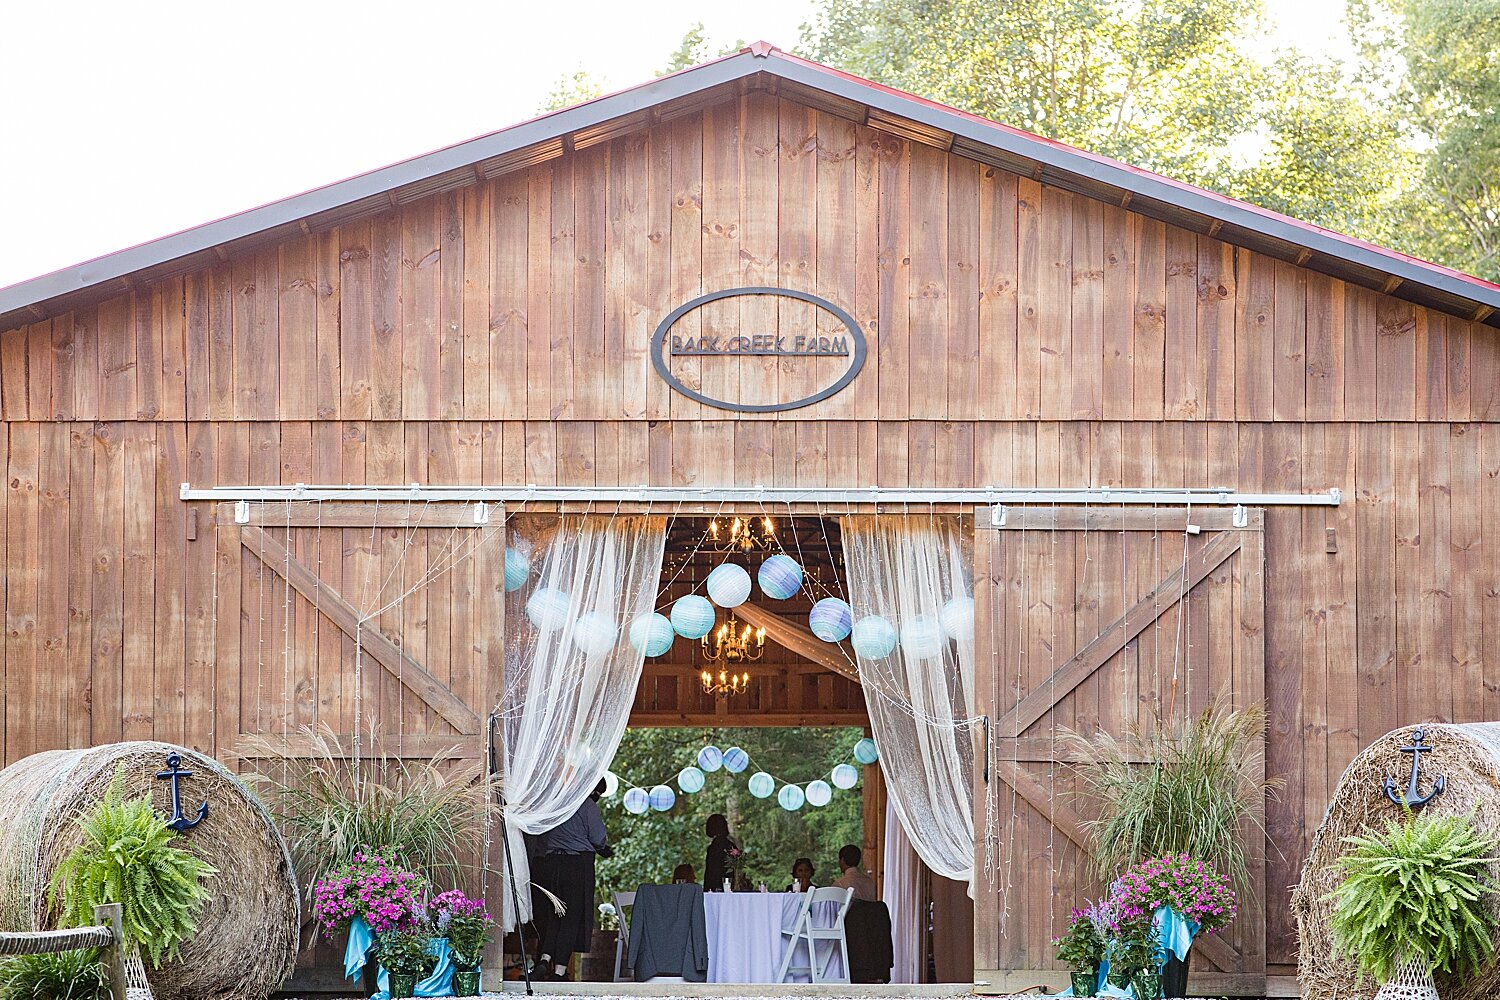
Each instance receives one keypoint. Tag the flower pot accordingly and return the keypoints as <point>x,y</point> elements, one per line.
<point>403,984</point>
<point>1085,984</point>
<point>1118,977</point>
<point>466,982</point>
<point>598,966</point>
<point>1174,975</point>
<point>1147,986</point>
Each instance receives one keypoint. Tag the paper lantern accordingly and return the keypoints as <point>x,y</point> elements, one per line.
<point>957,617</point>
<point>728,585</point>
<point>845,776</point>
<point>636,801</point>
<point>818,793</point>
<point>780,577</point>
<point>830,619</point>
<point>595,633</point>
<point>874,637</point>
<point>692,616</point>
<point>865,752</point>
<point>652,634</point>
<point>690,780</point>
<point>710,758</point>
<point>611,784</point>
<point>922,638</point>
<point>736,760</point>
<point>762,785</point>
<point>662,798</point>
<point>517,569</point>
<point>790,797</point>
<point>548,609</point>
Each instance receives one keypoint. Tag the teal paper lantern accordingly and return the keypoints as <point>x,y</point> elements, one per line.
<point>548,609</point>
<point>818,793</point>
<point>690,780</point>
<point>595,633</point>
<point>780,577</point>
<point>517,569</point>
<point>957,617</point>
<point>790,798</point>
<point>692,616</point>
<point>830,619</point>
<point>637,801</point>
<point>865,752</point>
<point>662,798</point>
<point>736,760</point>
<point>710,758</point>
<point>873,637</point>
<point>762,785</point>
<point>845,776</point>
<point>651,634</point>
<point>922,638</point>
<point>728,585</point>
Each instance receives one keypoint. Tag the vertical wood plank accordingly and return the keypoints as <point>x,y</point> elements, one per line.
<point>927,308</point>
<point>328,289</point>
<point>1087,362</point>
<point>692,232</point>
<point>835,265</point>
<point>963,289</point>
<point>202,595</point>
<point>117,345</point>
<point>421,361</point>
<point>357,357</point>
<point>997,360</point>
<point>1375,581</point>
<point>1256,328</point>
<point>1395,358</point>
<point>895,270</point>
<point>169,556</point>
<point>199,388</point>
<point>148,351</point>
<point>1148,385</point>
<point>539,237</point>
<point>449,388</point>
<point>1184,363</point>
<point>23,585</point>
<point>297,321</point>
<point>387,311</point>
<point>137,610</point>
<point>81,532</point>
<point>591,399</point>
<point>1054,302</point>
<point>1361,354</point>
<point>173,350</point>
<point>1120,255</point>
<point>505,318</point>
<point>1217,287</point>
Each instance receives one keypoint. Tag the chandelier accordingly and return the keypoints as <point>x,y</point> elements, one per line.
<point>725,684</point>
<point>732,645</point>
<point>742,534</point>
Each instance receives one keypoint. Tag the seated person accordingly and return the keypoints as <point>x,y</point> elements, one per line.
<point>684,875</point>
<point>741,882</point>
<point>802,875</point>
<point>855,877</point>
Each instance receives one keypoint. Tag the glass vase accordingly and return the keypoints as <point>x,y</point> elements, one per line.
<point>403,984</point>
<point>1085,983</point>
<point>466,982</point>
<point>1147,986</point>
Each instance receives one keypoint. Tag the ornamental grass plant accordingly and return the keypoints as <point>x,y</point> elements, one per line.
<point>1417,890</point>
<point>66,975</point>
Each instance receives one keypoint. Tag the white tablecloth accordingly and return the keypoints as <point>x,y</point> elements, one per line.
<point>745,944</point>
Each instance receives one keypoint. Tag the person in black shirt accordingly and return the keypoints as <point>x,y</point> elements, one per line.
<point>723,853</point>
<point>802,875</point>
<point>566,870</point>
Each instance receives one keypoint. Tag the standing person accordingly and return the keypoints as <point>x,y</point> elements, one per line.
<point>723,853</point>
<point>567,871</point>
<point>854,876</point>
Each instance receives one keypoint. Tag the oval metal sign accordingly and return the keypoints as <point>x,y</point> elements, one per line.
<point>665,346</point>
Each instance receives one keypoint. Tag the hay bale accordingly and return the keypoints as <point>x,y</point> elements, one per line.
<point>246,942</point>
<point>1469,757</point>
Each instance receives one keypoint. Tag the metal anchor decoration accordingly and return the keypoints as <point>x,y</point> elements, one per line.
<point>174,771</point>
<point>1412,798</point>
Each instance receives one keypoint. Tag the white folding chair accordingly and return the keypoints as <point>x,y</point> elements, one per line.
<point>624,902</point>
<point>811,931</point>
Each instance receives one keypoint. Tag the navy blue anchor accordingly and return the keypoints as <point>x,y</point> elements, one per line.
<point>1412,798</point>
<point>178,821</point>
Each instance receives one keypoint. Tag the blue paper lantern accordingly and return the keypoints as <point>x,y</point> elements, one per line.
<point>845,776</point>
<point>791,797</point>
<point>818,793</point>
<point>865,752</point>
<point>830,619</point>
<point>693,616</point>
<point>637,801</point>
<point>517,569</point>
<point>662,798</point>
<point>548,609</point>
<point>922,638</point>
<point>873,637</point>
<point>957,616</point>
<point>728,585</point>
<point>736,760</point>
<point>652,634</point>
<point>762,785</point>
<point>780,577</point>
<point>710,758</point>
<point>690,780</point>
<point>595,633</point>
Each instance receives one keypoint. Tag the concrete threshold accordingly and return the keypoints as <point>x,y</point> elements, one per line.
<point>729,991</point>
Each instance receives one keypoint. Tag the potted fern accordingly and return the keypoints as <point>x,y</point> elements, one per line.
<point>1413,902</point>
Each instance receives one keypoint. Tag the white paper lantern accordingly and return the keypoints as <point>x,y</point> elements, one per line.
<point>637,801</point>
<point>791,797</point>
<point>692,616</point>
<point>780,577</point>
<point>728,585</point>
<point>690,780</point>
<point>548,609</point>
<point>873,637</point>
<point>762,785</point>
<point>736,760</point>
<point>517,569</point>
<point>595,633</point>
<point>957,616</point>
<point>845,776</point>
<point>922,638</point>
<point>818,793</point>
<point>662,798</point>
<point>652,634</point>
<point>830,619</point>
<point>710,758</point>
<point>611,784</point>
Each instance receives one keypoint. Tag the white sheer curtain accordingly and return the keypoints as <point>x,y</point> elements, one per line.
<point>570,669</point>
<point>913,572</point>
<point>902,893</point>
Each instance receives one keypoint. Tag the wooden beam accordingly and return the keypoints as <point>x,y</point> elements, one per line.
<point>1045,750</point>
<point>796,639</point>
<point>412,746</point>
<point>397,662</point>
<point>735,717</point>
<point>1114,637</point>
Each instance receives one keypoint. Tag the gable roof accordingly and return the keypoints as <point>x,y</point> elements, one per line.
<point>760,66</point>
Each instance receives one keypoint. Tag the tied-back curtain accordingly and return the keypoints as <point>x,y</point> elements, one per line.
<point>910,576</point>
<point>902,893</point>
<point>570,668</point>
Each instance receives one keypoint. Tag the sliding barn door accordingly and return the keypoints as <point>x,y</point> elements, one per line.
<point>1089,619</point>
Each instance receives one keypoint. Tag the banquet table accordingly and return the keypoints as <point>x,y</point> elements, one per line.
<point>745,944</point>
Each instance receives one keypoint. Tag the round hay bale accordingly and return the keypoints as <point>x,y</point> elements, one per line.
<point>246,942</point>
<point>1469,757</point>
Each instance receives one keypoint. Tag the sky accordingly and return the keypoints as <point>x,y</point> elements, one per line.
<point>126,122</point>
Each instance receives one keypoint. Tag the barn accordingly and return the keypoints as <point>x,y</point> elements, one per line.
<point>1191,448</point>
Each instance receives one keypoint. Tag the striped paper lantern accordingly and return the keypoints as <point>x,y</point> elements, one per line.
<point>548,608</point>
<point>637,801</point>
<point>831,619</point>
<point>662,798</point>
<point>791,797</point>
<point>922,638</point>
<point>873,637</point>
<point>845,776</point>
<point>693,616</point>
<point>957,616</point>
<point>818,793</point>
<point>517,569</point>
<point>595,633</point>
<point>780,577</point>
<point>728,585</point>
<point>652,634</point>
<point>865,752</point>
<point>736,760</point>
<point>710,758</point>
<point>690,780</point>
<point>762,785</point>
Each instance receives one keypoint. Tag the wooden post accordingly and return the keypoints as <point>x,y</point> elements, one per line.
<point>113,957</point>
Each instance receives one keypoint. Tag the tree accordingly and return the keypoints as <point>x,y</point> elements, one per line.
<point>570,90</point>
